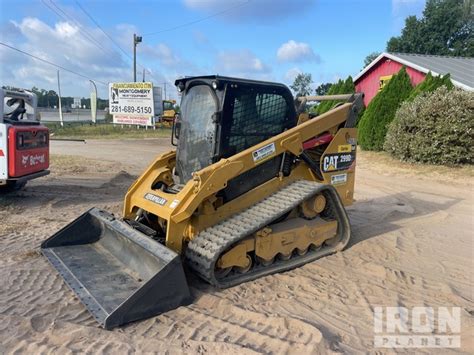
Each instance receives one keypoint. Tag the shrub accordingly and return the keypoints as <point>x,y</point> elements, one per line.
<point>436,128</point>
<point>341,87</point>
<point>381,110</point>
<point>430,84</point>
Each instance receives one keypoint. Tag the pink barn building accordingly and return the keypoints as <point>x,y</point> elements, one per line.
<point>373,77</point>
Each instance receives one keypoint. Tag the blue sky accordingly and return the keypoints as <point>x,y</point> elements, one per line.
<point>260,39</point>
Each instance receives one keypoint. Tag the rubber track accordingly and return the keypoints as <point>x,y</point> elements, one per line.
<point>204,250</point>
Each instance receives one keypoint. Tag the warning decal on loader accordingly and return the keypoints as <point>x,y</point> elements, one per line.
<point>339,161</point>
<point>338,179</point>
<point>264,152</point>
<point>345,148</point>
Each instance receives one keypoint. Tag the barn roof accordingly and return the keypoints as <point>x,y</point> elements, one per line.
<point>460,68</point>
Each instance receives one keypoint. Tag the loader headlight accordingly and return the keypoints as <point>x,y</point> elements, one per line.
<point>180,86</point>
<point>215,84</point>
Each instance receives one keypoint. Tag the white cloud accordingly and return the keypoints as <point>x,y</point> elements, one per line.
<point>9,31</point>
<point>162,53</point>
<point>291,74</point>
<point>293,51</point>
<point>64,44</point>
<point>122,33</point>
<point>200,38</point>
<point>202,43</point>
<point>240,63</point>
<point>251,10</point>
<point>169,60</point>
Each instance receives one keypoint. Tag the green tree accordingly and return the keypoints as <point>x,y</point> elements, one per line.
<point>381,111</point>
<point>430,84</point>
<point>446,28</point>
<point>49,98</point>
<point>86,102</point>
<point>333,90</point>
<point>102,104</point>
<point>322,89</point>
<point>44,99</point>
<point>66,101</point>
<point>370,58</point>
<point>341,87</point>
<point>302,84</point>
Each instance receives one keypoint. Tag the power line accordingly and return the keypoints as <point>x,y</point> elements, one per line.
<point>198,20</point>
<point>88,36</point>
<point>109,37</point>
<point>66,17</point>
<point>105,33</point>
<point>111,50</point>
<point>51,63</point>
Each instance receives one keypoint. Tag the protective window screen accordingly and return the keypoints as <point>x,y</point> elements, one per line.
<point>255,117</point>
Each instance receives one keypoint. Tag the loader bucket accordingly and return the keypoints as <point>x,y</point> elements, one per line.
<point>120,274</point>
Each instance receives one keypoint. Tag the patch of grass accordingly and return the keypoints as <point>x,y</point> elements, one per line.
<point>104,131</point>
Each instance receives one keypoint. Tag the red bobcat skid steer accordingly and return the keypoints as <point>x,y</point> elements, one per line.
<point>24,142</point>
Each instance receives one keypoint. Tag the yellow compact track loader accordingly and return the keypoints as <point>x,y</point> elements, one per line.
<point>169,112</point>
<point>256,186</point>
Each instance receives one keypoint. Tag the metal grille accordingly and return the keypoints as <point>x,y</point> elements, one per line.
<point>256,117</point>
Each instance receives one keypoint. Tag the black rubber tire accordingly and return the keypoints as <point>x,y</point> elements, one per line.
<point>12,186</point>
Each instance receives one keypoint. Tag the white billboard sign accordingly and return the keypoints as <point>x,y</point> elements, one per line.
<point>131,103</point>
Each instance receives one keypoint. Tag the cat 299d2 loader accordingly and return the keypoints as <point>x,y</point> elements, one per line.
<point>255,187</point>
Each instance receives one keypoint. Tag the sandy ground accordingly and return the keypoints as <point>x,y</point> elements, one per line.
<point>412,245</point>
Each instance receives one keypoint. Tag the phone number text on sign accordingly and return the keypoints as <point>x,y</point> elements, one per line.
<point>131,109</point>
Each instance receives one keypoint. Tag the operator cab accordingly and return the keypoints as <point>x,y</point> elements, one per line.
<point>222,116</point>
<point>18,107</point>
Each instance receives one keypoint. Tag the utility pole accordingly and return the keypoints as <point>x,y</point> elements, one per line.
<point>164,84</point>
<point>59,103</point>
<point>136,40</point>
<point>143,74</point>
